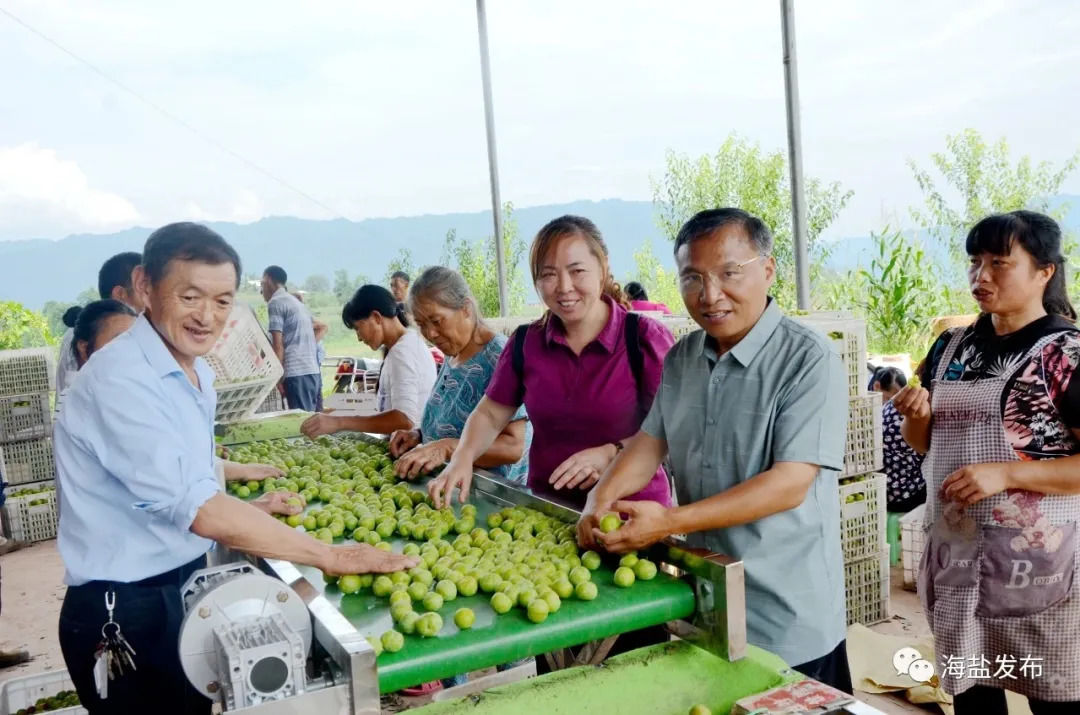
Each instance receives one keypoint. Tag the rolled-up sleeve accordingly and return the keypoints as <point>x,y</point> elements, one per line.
<point>130,431</point>
<point>275,311</point>
<point>811,418</point>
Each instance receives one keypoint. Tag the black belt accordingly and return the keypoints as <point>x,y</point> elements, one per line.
<point>175,577</point>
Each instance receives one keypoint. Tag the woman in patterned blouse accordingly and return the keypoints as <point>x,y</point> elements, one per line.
<point>999,421</point>
<point>447,314</point>
<point>905,487</point>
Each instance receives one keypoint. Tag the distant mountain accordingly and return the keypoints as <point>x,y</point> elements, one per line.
<point>35,271</point>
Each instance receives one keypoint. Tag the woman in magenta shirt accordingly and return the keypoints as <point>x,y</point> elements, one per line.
<point>576,380</point>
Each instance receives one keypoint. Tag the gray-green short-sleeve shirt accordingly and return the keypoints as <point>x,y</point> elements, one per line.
<point>780,395</point>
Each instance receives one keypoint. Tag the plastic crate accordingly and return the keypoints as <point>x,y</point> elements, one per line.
<point>24,521</point>
<point>25,417</point>
<point>245,366</point>
<point>862,517</point>
<point>274,402</point>
<point>24,691</point>
<point>239,400</point>
<point>864,450</point>
<point>866,588</point>
<point>29,461</point>
<point>848,338</point>
<point>23,372</point>
<point>912,544</point>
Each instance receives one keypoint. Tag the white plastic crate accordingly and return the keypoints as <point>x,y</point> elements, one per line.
<point>27,520</point>
<point>862,517</point>
<point>25,417</point>
<point>866,588</point>
<point>29,461</point>
<point>912,544</point>
<point>245,366</point>
<point>864,450</point>
<point>23,372</point>
<point>238,401</point>
<point>274,402</point>
<point>848,338</point>
<point>24,691</point>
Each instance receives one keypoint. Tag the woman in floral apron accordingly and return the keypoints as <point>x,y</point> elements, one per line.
<point>999,421</point>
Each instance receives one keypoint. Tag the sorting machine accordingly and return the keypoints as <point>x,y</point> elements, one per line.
<point>270,637</point>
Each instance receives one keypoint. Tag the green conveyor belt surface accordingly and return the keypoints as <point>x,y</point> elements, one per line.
<point>495,639</point>
<point>665,679</point>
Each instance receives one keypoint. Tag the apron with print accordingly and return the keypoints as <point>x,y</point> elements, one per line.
<point>997,577</point>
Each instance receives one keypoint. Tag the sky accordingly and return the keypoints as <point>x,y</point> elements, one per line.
<point>362,109</point>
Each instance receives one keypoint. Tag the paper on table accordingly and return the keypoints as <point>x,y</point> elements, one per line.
<point>870,656</point>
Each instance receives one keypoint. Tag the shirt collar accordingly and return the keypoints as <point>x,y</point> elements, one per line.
<point>747,349</point>
<point>280,291</point>
<point>153,347</point>
<point>554,332</point>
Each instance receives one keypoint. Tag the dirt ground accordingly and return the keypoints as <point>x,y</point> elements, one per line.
<point>31,587</point>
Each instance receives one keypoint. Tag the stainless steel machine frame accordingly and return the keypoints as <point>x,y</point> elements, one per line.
<point>719,624</point>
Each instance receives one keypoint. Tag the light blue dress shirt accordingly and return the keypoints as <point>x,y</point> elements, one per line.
<point>134,461</point>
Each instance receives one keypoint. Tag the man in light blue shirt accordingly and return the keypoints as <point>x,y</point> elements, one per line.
<point>139,500</point>
<point>752,411</point>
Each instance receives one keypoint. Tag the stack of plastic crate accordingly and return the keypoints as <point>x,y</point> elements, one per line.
<point>912,544</point>
<point>862,486</point>
<point>26,450</point>
<point>24,691</point>
<point>245,367</point>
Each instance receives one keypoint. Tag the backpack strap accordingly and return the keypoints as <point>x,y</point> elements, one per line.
<point>632,334</point>
<point>518,356</point>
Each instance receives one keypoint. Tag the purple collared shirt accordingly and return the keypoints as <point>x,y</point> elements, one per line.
<point>579,401</point>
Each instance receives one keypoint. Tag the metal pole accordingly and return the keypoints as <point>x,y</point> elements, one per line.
<point>493,159</point>
<point>794,132</point>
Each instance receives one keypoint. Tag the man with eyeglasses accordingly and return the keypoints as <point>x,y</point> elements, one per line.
<point>752,411</point>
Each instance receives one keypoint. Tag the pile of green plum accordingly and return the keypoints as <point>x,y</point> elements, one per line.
<point>521,557</point>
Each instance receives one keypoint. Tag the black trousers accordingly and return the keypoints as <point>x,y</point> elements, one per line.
<point>149,614</point>
<point>831,669</point>
<point>986,700</point>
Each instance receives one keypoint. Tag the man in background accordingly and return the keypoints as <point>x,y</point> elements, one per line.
<point>293,336</point>
<point>399,285</point>
<point>114,281</point>
<point>321,329</point>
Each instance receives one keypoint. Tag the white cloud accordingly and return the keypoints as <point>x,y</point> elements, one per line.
<point>37,187</point>
<point>244,207</point>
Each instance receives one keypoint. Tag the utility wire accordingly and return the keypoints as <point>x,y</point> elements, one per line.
<point>169,115</point>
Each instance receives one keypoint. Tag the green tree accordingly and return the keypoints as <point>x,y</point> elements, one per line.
<point>88,295</point>
<point>402,262</point>
<point>972,178</point>
<point>475,260</point>
<point>21,327</point>
<point>317,283</point>
<point>661,284</point>
<point>976,178</point>
<point>53,312</point>
<point>741,174</point>
<point>344,286</point>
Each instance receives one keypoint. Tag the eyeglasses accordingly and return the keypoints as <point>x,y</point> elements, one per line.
<point>730,275</point>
